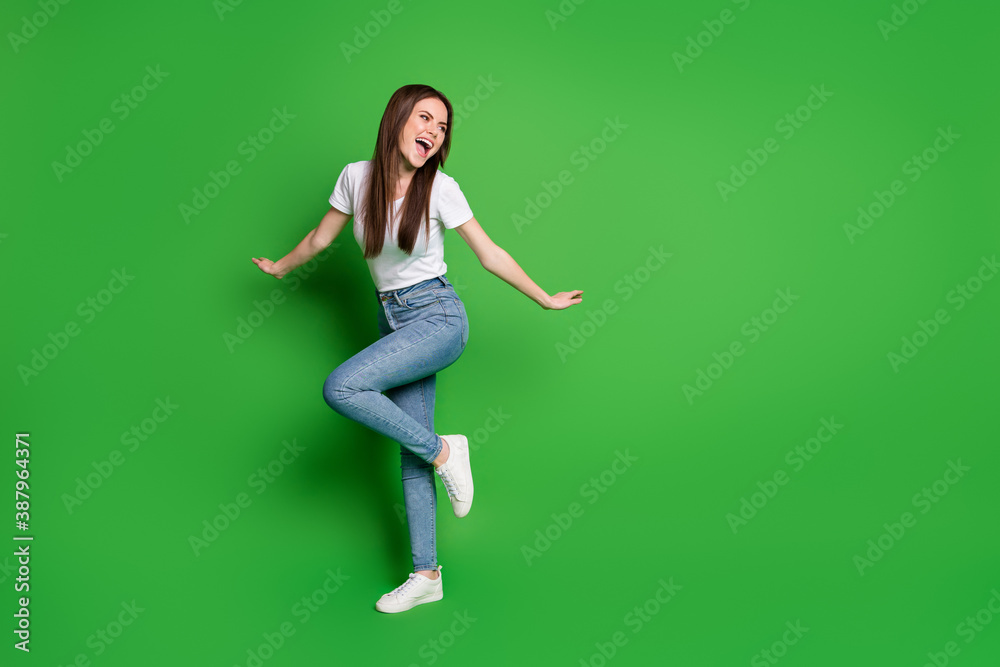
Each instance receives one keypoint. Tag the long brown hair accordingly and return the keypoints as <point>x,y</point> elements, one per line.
<point>380,192</point>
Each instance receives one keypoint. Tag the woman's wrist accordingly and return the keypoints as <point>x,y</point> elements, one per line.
<point>278,269</point>
<point>299,255</point>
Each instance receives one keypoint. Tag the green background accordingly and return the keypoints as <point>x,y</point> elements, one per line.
<point>553,87</point>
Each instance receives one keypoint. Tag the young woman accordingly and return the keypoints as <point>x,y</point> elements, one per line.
<point>402,205</point>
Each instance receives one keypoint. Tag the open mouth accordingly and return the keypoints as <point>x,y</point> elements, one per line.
<point>423,147</point>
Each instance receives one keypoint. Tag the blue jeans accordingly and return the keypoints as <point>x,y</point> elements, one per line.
<point>423,329</point>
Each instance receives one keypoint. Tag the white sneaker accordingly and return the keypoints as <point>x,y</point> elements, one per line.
<point>417,589</point>
<point>456,474</point>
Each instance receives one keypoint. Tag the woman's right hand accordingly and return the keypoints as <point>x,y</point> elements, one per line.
<point>564,300</point>
<point>266,265</point>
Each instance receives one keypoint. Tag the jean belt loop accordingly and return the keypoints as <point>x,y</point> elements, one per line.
<point>395,295</point>
<point>442,280</point>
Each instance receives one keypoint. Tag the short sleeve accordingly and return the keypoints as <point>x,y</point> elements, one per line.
<point>342,197</point>
<point>453,209</point>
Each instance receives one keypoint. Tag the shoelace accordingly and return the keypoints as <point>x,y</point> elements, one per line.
<point>449,481</point>
<point>405,586</point>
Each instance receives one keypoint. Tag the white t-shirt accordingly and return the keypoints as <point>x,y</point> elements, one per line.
<point>393,268</point>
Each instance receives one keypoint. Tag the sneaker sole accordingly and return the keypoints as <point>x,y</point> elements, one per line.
<point>398,608</point>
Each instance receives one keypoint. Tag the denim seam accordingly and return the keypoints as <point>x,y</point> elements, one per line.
<point>433,540</point>
<point>351,377</point>
<point>450,317</point>
<point>420,291</point>
<point>427,425</point>
<point>384,421</point>
<point>433,494</point>
<point>429,286</point>
<point>423,402</point>
<point>437,439</point>
<point>411,309</point>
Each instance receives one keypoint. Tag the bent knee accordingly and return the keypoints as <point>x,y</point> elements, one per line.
<point>335,390</point>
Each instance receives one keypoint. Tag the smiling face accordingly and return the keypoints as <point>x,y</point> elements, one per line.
<point>427,124</point>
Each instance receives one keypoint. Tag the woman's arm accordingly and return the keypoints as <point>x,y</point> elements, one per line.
<point>498,261</point>
<point>313,243</point>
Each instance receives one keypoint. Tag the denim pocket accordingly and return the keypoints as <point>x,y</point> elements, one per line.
<point>420,299</point>
<point>465,324</point>
<point>454,308</point>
